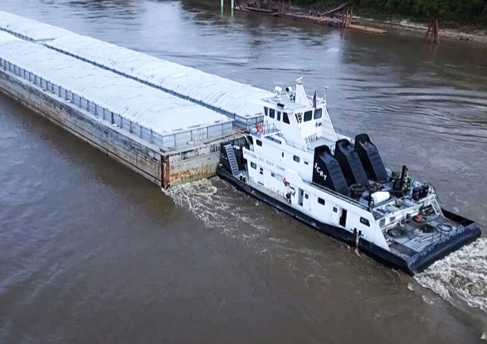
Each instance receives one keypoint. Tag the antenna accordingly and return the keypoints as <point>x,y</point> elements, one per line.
<point>299,80</point>
<point>324,96</point>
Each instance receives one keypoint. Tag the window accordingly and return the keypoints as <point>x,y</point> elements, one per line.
<point>266,111</point>
<point>318,113</point>
<point>273,174</point>
<point>296,158</point>
<point>321,201</point>
<point>382,223</point>
<point>272,113</point>
<point>343,218</point>
<point>261,171</point>
<point>285,118</point>
<point>308,115</point>
<point>364,222</point>
<point>278,115</point>
<point>306,196</point>
<point>259,142</point>
<point>335,209</point>
<point>253,165</point>
<point>299,117</point>
<point>282,154</point>
<point>273,139</point>
<point>306,163</point>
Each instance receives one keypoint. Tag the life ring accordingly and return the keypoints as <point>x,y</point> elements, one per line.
<point>260,127</point>
<point>445,227</point>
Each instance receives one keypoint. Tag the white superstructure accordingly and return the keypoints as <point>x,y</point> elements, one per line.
<point>296,161</point>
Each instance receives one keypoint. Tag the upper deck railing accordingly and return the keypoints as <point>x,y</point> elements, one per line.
<point>169,141</point>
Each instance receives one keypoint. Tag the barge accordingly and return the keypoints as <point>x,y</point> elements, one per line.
<point>164,138</point>
<point>296,161</point>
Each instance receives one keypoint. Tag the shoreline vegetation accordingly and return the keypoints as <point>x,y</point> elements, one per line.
<point>461,33</point>
<point>458,19</point>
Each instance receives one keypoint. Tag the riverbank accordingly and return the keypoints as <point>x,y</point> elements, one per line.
<point>464,32</point>
<point>475,35</point>
<point>466,23</point>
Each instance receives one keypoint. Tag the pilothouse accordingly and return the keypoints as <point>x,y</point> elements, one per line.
<point>296,161</point>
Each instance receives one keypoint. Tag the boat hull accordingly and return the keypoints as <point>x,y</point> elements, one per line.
<point>412,265</point>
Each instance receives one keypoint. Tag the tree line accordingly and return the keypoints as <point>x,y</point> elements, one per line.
<point>459,10</point>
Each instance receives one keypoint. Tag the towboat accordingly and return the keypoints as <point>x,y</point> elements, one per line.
<point>296,161</point>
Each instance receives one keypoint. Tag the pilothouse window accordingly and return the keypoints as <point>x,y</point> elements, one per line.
<point>272,113</point>
<point>318,113</point>
<point>266,111</point>
<point>285,118</point>
<point>308,115</point>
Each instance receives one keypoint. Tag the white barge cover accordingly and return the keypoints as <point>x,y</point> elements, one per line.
<point>154,116</point>
<point>231,98</point>
<point>29,29</point>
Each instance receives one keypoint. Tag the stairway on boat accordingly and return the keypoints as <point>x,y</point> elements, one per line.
<point>232,159</point>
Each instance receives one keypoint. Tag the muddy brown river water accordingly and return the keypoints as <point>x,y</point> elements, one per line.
<point>92,253</point>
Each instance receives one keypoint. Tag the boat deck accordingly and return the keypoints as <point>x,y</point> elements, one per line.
<point>411,236</point>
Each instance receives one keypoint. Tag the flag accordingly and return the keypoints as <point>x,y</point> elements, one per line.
<point>314,100</point>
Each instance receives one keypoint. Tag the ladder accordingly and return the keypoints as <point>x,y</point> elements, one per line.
<point>232,159</point>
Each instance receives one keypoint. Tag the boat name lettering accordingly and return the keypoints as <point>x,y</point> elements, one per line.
<point>251,155</point>
<point>319,171</point>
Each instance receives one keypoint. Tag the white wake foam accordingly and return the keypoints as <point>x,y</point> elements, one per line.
<point>219,209</point>
<point>242,217</point>
<point>461,277</point>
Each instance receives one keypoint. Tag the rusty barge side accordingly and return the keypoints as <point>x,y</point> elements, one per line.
<point>165,168</point>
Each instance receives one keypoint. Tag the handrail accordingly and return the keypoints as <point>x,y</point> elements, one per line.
<point>168,141</point>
